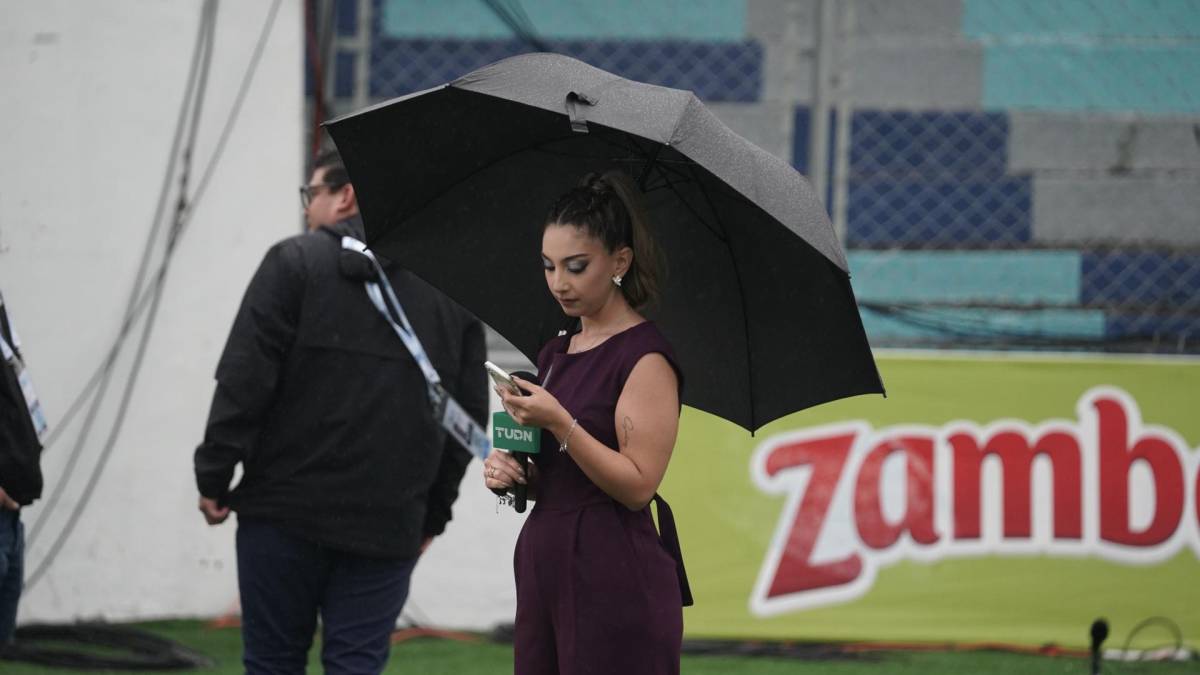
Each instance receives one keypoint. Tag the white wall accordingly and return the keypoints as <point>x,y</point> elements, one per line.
<point>90,94</point>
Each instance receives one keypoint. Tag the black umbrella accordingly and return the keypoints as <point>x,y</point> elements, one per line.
<point>454,183</point>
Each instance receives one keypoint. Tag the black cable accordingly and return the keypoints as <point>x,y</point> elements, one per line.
<point>110,442</point>
<point>143,301</point>
<point>519,11</point>
<point>205,44</point>
<point>136,650</point>
<point>1170,625</point>
<point>976,332</point>
<point>103,374</point>
<point>525,34</point>
<point>184,210</point>
<point>236,109</point>
<point>966,329</point>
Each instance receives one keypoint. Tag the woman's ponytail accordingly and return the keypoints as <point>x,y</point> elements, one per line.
<point>609,206</point>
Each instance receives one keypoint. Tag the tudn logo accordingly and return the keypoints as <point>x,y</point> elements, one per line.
<point>859,499</point>
<point>514,434</point>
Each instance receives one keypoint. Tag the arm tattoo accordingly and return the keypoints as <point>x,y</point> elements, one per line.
<point>627,424</point>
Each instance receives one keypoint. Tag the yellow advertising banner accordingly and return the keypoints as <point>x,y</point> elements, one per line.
<point>1004,498</point>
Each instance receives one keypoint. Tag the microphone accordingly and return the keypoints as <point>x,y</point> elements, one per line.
<point>520,441</point>
<point>1099,634</point>
<point>521,490</point>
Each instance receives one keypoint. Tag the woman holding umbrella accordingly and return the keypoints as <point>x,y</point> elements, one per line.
<point>597,589</point>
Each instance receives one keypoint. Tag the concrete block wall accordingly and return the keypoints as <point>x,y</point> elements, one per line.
<point>964,136</point>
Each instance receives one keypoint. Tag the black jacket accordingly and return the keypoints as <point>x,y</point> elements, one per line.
<point>20,450</point>
<point>327,411</point>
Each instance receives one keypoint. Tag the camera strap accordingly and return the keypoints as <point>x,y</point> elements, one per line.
<point>453,418</point>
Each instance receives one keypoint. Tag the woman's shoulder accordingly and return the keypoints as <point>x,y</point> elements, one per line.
<point>644,339</point>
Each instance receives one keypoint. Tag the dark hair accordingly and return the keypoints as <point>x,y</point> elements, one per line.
<point>609,207</point>
<point>335,170</point>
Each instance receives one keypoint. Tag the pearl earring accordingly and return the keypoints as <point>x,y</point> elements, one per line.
<point>617,280</point>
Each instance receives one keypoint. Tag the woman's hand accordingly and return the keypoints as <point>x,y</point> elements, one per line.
<point>537,408</point>
<point>501,471</point>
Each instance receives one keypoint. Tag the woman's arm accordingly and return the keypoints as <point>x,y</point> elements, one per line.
<point>646,421</point>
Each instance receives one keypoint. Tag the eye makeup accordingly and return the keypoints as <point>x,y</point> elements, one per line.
<point>574,264</point>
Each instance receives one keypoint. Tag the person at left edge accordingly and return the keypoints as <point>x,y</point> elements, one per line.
<point>347,475</point>
<point>20,474</point>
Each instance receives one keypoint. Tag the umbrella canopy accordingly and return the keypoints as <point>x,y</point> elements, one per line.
<point>455,182</point>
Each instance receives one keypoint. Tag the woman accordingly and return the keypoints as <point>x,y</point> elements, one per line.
<point>597,590</point>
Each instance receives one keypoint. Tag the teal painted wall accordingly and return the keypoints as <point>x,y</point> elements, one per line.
<point>1083,18</point>
<point>714,20</point>
<point>943,323</point>
<point>1029,278</point>
<point>1013,277</point>
<point>1103,55</point>
<point>1111,79</point>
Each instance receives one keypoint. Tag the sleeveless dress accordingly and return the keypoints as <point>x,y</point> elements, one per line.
<point>598,591</point>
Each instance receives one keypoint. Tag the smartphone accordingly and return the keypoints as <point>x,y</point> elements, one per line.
<point>501,378</point>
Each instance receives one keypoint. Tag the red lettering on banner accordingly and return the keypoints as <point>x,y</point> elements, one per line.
<point>796,572</point>
<point>844,496</point>
<point>1116,458</point>
<point>1016,456</point>
<point>873,528</point>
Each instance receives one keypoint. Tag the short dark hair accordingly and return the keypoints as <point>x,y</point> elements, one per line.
<point>335,170</point>
<point>609,207</point>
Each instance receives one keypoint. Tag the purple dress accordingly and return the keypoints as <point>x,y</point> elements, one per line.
<point>598,591</point>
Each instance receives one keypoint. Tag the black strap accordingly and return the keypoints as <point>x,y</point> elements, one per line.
<point>670,540</point>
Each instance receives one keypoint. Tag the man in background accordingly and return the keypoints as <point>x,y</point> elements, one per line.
<point>21,428</point>
<point>347,476</point>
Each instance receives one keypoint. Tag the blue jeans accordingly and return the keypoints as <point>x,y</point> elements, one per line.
<point>285,580</point>
<point>12,570</point>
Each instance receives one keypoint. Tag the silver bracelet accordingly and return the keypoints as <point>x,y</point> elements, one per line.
<point>562,447</point>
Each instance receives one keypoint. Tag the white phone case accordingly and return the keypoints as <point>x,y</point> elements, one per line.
<point>501,378</point>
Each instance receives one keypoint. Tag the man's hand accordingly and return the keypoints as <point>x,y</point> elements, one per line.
<point>213,513</point>
<point>7,502</point>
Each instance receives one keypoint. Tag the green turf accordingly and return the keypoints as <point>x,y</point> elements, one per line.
<point>433,657</point>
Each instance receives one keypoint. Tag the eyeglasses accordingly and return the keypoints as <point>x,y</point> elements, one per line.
<point>307,192</point>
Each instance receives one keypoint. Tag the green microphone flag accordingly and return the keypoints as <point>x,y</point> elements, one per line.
<point>509,436</point>
<point>521,442</point>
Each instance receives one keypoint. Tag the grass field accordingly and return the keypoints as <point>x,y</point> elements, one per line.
<point>435,656</point>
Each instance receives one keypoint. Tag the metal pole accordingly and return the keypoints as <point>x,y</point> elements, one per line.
<point>845,112</point>
<point>818,128</point>
<point>362,66</point>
